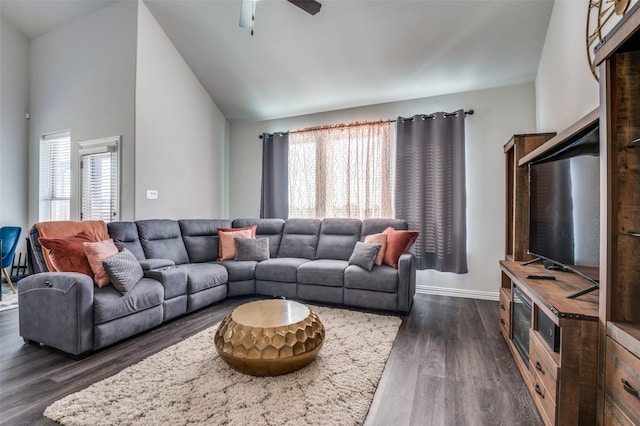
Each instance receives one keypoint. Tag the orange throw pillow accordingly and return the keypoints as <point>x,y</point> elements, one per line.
<point>251,228</point>
<point>96,253</point>
<point>398,243</point>
<point>378,239</point>
<point>67,254</point>
<point>227,236</point>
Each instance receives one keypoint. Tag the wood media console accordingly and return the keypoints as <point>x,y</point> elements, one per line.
<point>559,366</point>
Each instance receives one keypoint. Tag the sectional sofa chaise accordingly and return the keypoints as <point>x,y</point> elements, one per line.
<point>308,260</point>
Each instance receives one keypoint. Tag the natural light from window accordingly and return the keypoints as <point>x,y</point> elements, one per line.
<point>341,171</point>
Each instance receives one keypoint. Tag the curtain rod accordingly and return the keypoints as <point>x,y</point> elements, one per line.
<point>424,117</point>
<point>446,114</point>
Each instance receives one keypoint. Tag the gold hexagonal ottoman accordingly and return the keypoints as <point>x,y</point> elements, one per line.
<point>269,337</point>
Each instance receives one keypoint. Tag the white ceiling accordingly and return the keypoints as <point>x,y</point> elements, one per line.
<point>352,53</point>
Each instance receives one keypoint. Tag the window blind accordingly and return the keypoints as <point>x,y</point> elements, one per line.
<point>55,176</point>
<point>99,180</point>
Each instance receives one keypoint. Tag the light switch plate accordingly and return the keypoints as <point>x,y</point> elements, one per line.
<point>152,194</point>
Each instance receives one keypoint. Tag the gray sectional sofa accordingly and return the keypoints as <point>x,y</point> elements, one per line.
<point>308,261</point>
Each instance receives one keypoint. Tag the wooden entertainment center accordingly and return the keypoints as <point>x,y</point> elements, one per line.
<point>590,373</point>
<point>561,377</point>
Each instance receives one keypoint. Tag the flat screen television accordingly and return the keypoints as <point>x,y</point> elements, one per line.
<point>564,207</point>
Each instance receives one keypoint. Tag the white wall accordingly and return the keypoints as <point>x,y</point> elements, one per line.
<point>14,86</point>
<point>565,89</point>
<point>500,113</point>
<point>180,133</point>
<point>82,78</point>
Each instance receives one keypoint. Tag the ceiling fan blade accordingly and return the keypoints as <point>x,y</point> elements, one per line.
<point>310,6</point>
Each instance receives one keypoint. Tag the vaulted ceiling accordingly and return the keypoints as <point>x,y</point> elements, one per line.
<point>352,53</point>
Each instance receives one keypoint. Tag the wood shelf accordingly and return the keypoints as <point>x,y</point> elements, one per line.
<point>627,334</point>
<point>619,337</point>
<point>625,32</point>
<point>563,138</point>
<point>517,193</point>
<point>553,293</point>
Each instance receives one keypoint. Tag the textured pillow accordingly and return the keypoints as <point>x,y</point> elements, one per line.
<point>378,239</point>
<point>252,249</point>
<point>226,236</point>
<point>67,254</point>
<point>364,255</point>
<point>398,243</point>
<point>96,253</point>
<point>123,270</point>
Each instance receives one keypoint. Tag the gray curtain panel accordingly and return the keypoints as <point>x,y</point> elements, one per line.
<point>430,188</point>
<point>275,176</point>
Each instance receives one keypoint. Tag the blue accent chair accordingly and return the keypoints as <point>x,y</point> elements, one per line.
<point>10,236</point>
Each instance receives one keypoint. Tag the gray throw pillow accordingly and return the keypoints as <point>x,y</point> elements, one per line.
<point>252,249</point>
<point>123,270</point>
<point>364,255</point>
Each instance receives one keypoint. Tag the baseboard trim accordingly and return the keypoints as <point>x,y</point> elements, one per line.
<point>456,292</point>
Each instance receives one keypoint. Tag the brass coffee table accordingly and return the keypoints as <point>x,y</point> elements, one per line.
<point>269,337</point>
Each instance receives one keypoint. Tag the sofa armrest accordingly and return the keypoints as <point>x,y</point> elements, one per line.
<point>56,308</point>
<point>406,281</point>
<point>172,278</point>
<point>148,264</point>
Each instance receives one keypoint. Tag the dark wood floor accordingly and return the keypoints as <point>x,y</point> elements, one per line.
<point>449,366</point>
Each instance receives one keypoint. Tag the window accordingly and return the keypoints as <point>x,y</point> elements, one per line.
<point>99,168</point>
<point>55,176</point>
<point>341,171</point>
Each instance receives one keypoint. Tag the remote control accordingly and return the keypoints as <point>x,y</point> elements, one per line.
<point>540,277</point>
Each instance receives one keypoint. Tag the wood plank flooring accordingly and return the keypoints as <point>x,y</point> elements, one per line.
<point>449,366</point>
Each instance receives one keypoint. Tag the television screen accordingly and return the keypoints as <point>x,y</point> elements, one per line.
<point>564,215</point>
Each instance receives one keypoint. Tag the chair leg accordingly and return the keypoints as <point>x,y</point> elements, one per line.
<point>6,275</point>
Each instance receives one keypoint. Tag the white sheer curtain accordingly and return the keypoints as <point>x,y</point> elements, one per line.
<point>341,171</point>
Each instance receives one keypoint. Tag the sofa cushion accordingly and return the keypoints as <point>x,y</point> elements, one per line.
<point>161,239</point>
<point>200,238</point>
<point>329,272</point>
<point>67,254</point>
<point>381,278</point>
<point>227,240</point>
<point>252,249</point>
<point>201,276</point>
<point>337,238</point>
<point>240,270</point>
<point>95,230</point>
<point>300,238</point>
<point>364,255</point>
<point>398,243</point>
<point>109,304</point>
<point>282,269</point>
<point>125,235</point>
<point>378,239</point>
<point>97,252</point>
<point>267,228</point>
<point>123,270</point>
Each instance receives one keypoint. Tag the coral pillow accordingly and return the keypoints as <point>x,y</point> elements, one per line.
<point>251,228</point>
<point>96,253</point>
<point>227,246</point>
<point>398,243</point>
<point>378,239</point>
<point>67,254</point>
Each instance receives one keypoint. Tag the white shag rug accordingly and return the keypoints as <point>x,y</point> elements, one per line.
<point>189,384</point>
